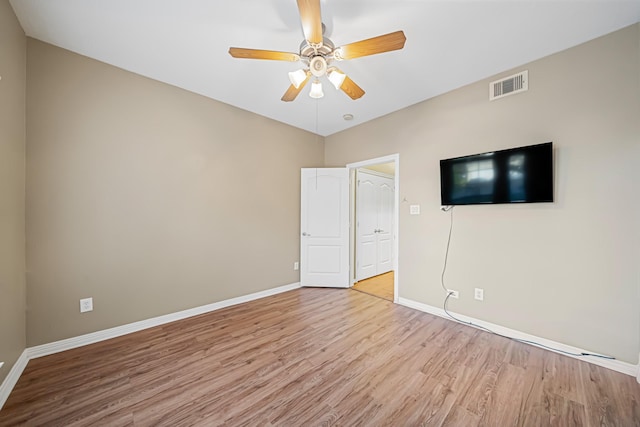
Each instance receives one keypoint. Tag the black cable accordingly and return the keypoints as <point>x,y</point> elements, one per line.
<point>449,293</point>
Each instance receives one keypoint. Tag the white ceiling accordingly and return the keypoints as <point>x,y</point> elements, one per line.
<point>449,44</point>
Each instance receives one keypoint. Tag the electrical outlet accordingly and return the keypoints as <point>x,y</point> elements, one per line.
<point>296,265</point>
<point>86,304</point>
<point>454,294</point>
<point>479,294</point>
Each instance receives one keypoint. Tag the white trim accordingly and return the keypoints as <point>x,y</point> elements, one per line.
<point>378,160</point>
<point>396,226</point>
<point>638,371</point>
<point>374,173</point>
<point>12,378</point>
<point>616,365</point>
<point>94,337</point>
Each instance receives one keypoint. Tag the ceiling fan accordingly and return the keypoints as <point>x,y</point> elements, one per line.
<point>318,53</point>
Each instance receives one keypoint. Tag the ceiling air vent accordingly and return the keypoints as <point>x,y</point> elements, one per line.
<point>509,85</point>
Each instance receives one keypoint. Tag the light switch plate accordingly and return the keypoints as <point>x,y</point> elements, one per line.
<point>86,304</point>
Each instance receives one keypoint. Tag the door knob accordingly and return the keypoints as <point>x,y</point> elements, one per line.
<point>305,234</point>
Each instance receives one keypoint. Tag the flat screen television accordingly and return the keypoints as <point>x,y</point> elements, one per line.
<point>516,175</point>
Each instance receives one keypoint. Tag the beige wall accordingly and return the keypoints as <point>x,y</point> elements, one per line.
<point>12,170</point>
<point>148,198</point>
<point>567,271</point>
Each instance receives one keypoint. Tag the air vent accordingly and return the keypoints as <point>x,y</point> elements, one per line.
<point>509,85</point>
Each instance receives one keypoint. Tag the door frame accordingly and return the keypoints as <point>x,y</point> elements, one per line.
<point>395,158</point>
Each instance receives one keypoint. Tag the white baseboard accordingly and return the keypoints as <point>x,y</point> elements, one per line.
<point>79,341</point>
<point>12,378</point>
<point>616,365</point>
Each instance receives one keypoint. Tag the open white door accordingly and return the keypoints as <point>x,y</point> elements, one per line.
<point>324,222</point>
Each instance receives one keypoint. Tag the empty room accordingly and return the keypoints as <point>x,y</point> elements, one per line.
<point>319,212</point>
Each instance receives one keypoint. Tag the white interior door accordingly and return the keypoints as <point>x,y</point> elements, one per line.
<point>374,225</point>
<point>324,222</point>
<point>366,226</point>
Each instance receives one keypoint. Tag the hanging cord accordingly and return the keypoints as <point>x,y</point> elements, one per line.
<point>449,293</point>
<point>317,139</point>
<point>317,115</point>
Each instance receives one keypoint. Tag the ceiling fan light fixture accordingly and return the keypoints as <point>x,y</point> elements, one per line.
<point>336,78</point>
<point>297,77</point>
<point>316,90</point>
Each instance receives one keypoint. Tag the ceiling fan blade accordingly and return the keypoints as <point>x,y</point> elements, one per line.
<point>293,91</point>
<point>311,20</point>
<point>380,44</point>
<point>351,88</point>
<point>240,52</point>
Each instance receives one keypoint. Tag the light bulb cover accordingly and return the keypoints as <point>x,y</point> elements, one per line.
<point>297,77</point>
<point>336,78</point>
<point>316,89</point>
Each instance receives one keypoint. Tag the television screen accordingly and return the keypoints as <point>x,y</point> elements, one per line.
<point>516,175</point>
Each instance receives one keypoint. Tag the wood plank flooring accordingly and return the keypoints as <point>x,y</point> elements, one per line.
<point>380,286</point>
<point>318,357</point>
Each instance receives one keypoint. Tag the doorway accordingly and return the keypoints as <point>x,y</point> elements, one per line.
<point>374,253</point>
<point>380,286</point>
<point>374,221</point>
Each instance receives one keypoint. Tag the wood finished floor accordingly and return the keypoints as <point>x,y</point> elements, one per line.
<point>379,286</point>
<point>318,357</point>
